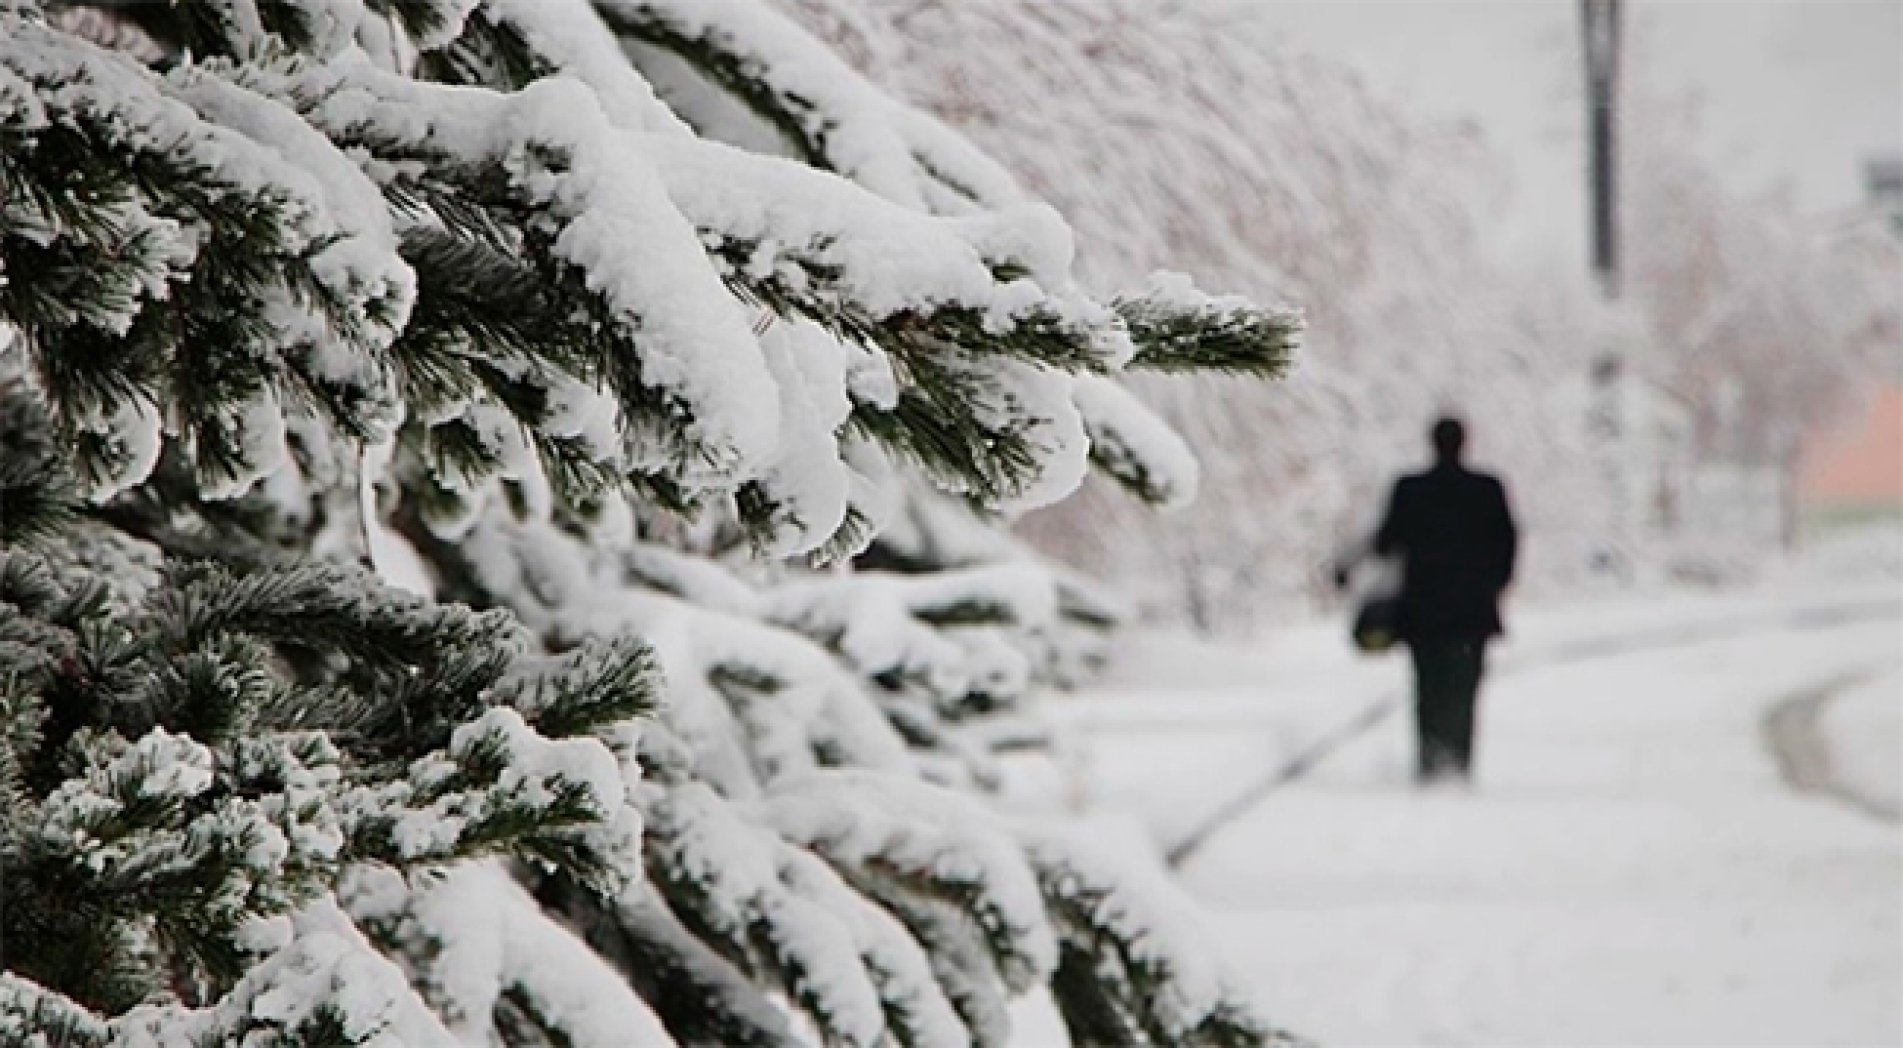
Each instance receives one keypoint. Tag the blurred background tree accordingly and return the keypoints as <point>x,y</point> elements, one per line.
<point>1252,165</point>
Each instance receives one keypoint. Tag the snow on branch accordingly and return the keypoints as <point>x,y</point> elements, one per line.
<point>216,764</point>
<point>830,116</point>
<point>221,279</point>
<point>508,43</point>
<point>674,331</point>
<point>1131,971</point>
<point>924,840</point>
<point>324,984</point>
<point>753,702</point>
<point>803,241</point>
<point>29,1011</point>
<point>488,959</point>
<point>1177,328</point>
<point>780,913</point>
<point>1134,446</point>
<point>865,616</point>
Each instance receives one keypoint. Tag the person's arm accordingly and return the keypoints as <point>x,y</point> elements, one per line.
<point>1507,534</point>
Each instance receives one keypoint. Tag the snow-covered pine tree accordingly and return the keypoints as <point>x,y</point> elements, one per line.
<point>612,333</point>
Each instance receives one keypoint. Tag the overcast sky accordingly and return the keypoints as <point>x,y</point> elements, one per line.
<point>1797,92</point>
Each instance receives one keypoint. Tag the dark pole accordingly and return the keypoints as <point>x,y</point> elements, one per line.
<point>1600,22</point>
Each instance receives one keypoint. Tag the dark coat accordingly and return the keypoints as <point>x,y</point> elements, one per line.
<point>1455,537</point>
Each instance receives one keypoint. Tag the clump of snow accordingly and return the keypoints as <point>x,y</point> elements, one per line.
<point>329,971</point>
<point>134,436</point>
<point>1130,440</point>
<point>534,774</point>
<point>1180,294</point>
<point>1159,952</point>
<point>1037,406</point>
<point>21,1000</point>
<point>807,482</point>
<point>738,867</point>
<point>895,150</point>
<point>362,262</point>
<point>571,34</point>
<point>258,425</point>
<point>880,623</point>
<point>614,215</point>
<point>888,258</point>
<point>856,818</point>
<point>488,936</point>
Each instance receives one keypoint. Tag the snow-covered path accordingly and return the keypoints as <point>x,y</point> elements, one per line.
<point>1630,869</point>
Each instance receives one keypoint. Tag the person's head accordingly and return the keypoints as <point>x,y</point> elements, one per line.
<point>1450,439</point>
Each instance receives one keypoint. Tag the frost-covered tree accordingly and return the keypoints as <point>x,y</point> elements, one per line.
<point>444,445</point>
<point>1279,173</point>
<point>1764,321</point>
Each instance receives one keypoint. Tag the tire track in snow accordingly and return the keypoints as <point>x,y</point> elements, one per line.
<point>1812,617</point>
<point>1796,742</point>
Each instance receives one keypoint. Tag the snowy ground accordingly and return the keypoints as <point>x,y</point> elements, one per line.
<point>1864,736</point>
<point>1632,867</point>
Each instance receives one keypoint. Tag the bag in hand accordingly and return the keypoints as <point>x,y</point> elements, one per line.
<point>1377,624</point>
<point>1376,582</point>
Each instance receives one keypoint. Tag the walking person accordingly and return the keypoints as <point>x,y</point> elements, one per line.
<point>1454,536</point>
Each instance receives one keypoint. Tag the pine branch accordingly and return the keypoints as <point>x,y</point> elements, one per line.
<point>1117,976</point>
<point>936,425</point>
<point>193,316</point>
<point>37,500</point>
<point>133,864</point>
<point>31,1014</point>
<point>697,993</point>
<point>425,21</point>
<point>488,52</point>
<point>744,76</point>
<point>1176,334</point>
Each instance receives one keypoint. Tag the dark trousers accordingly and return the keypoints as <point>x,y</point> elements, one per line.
<point>1446,682</point>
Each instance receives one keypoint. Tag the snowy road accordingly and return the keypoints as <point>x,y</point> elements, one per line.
<point>1632,868</point>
